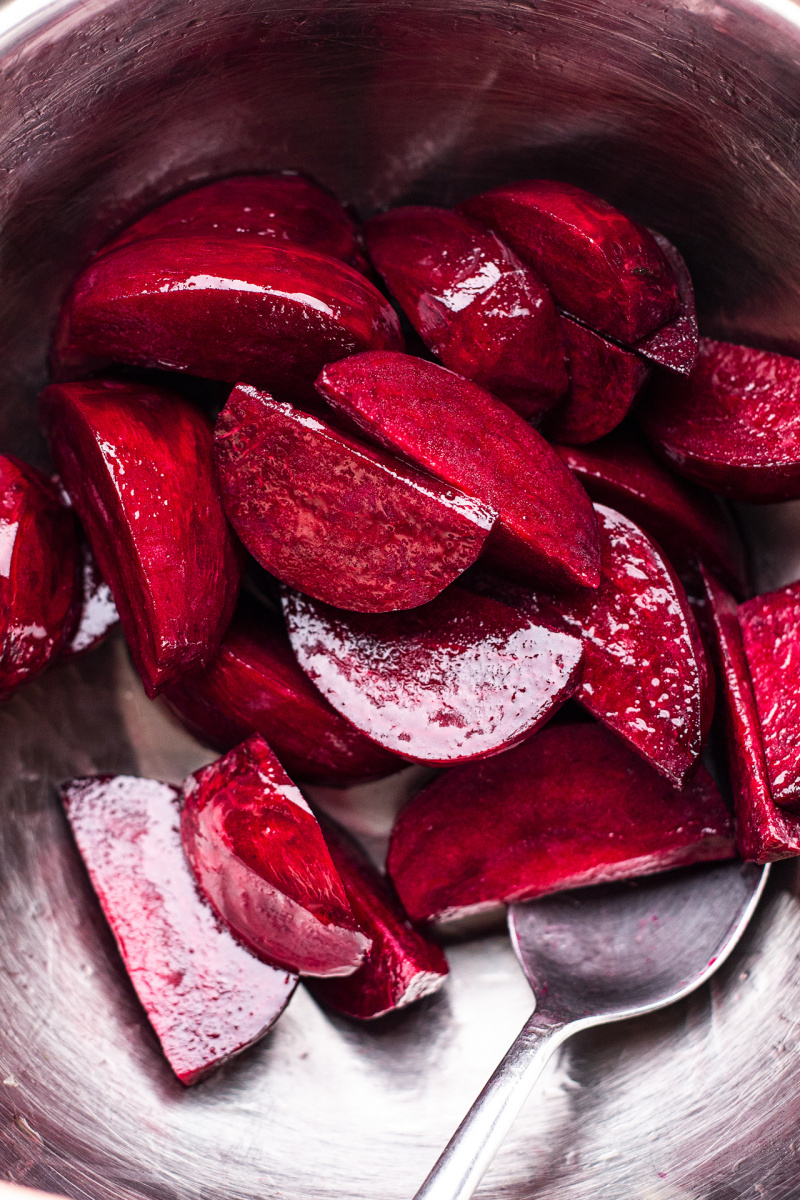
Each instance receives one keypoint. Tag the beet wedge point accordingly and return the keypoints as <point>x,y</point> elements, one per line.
<point>675,345</point>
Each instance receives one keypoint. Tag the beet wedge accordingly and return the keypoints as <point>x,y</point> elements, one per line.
<point>461,678</point>
<point>338,520</point>
<point>206,996</point>
<point>39,583</point>
<point>241,310</point>
<point>572,806</point>
<point>402,966</point>
<point>460,433</point>
<point>675,345</point>
<point>138,464</point>
<point>259,857</point>
<point>734,425</point>
<point>599,265</point>
<point>482,311</point>
<point>97,614</point>
<point>256,686</point>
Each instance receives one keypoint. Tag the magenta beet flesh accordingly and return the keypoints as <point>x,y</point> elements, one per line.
<point>402,965</point>
<point>338,520</point>
<point>260,859</point>
<point>460,433</point>
<point>675,344</point>
<point>206,996</point>
<point>482,311</point>
<point>138,465</point>
<point>734,425</point>
<point>97,613</point>
<point>599,265</point>
<point>461,678</point>
<point>256,686</point>
<point>570,807</point>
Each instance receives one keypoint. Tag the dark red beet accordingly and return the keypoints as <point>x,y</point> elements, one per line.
<point>206,996</point>
<point>236,309</point>
<point>97,613</point>
<point>482,311</point>
<point>570,807</point>
<point>260,859</point>
<point>256,686</point>
<point>461,678</point>
<point>338,520</point>
<point>600,266</point>
<point>464,436</point>
<point>138,465</point>
<point>675,344</point>
<point>734,425</point>
<point>402,966</point>
<point>38,573</point>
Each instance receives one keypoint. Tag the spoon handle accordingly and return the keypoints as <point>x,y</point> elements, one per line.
<point>472,1147</point>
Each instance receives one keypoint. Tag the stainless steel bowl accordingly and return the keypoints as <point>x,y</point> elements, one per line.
<point>686,114</point>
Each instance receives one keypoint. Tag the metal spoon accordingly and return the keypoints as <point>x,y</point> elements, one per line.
<point>594,956</point>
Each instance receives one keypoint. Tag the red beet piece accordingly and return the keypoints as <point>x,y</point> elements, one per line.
<point>675,344</point>
<point>603,383</point>
<point>457,431</point>
<point>345,523</point>
<point>402,966</point>
<point>461,678</point>
<point>259,856</point>
<point>482,311</point>
<point>600,266</point>
<point>256,686</point>
<point>570,807</point>
<point>97,613</point>
<point>207,997</point>
<point>763,832</point>
<point>138,465</point>
<point>234,309</point>
<point>38,573</point>
<point>734,425</point>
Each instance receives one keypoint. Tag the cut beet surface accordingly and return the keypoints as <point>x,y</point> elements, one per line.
<point>97,613</point>
<point>734,425</point>
<point>338,520</point>
<point>138,465</point>
<point>460,433</point>
<point>461,678</point>
<point>259,856</point>
<point>482,311</point>
<point>599,265</point>
<point>570,807</point>
<point>675,345</point>
<point>207,997</point>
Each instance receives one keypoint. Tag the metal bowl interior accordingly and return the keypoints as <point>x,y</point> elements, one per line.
<point>686,114</point>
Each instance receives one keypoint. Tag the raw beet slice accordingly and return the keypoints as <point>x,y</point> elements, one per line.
<point>38,573</point>
<point>97,613</point>
<point>236,309</point>
<point>675,344</point>
<point>461,678</point>
<point>734,425</point>
<point>482,311</point>
<point>600,266</point>
<point>603,382</point>
<point>343,522</point>
<point>259,856</point>
<point>763,832</point>
<point>570,807</point>
<point>402,965</point>
<point>464,436</point>
<point>256,686</point>
<point>206,996</point>
<point>138,465</point>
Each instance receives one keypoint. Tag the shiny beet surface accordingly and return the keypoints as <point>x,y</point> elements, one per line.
<point>464,436</point>
<point>482,311</point>
<point>38,573</point>
<point>236,309</point>
<point>338,520</point>
<point>734,425</point>
<point>599,265</point>
<point>138,465</point>
<point>97,612</point>
<point>572,806</point>
<point>256,686</point>
<point>207,997</point>
<point>674,345</point>
<point>259,856</point>
<point>402,966</point>
<point>461,678</point>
